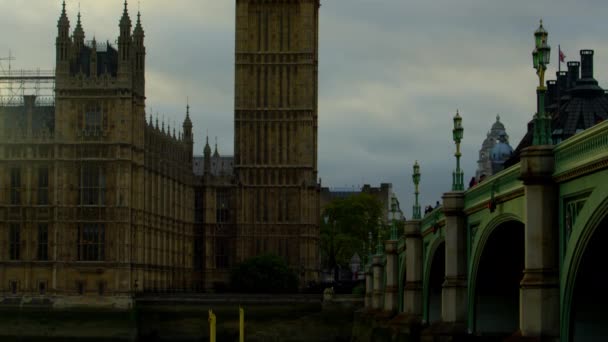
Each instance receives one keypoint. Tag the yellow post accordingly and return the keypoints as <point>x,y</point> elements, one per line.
<point>241,324</point>
<point>211,326</point>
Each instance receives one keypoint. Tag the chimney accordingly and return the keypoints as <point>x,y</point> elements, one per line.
<point>586,63</point>
<point>573,74</point>
<point>551,93</point>
<point>562,82</point>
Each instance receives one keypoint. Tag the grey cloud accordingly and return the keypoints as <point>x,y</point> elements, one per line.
<point>392,73</point>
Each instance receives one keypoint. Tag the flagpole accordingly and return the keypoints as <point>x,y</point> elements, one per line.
<point>559,58</point>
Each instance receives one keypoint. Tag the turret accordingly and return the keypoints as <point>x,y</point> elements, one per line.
<point>207,158</point>
<point>124,45</point>
<point>78,36</point>
<point>216,154</point>
<point>188,137</point>
<point>140,56</point>
<point>93,57</point>
<point>63,43</point>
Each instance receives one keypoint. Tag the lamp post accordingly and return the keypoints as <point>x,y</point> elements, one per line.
<point>458,175</point>
<point>416,179</point>
<point>379,247</point>
<point>370,247</point>
<point>541,57</point>
<point>393,219</point>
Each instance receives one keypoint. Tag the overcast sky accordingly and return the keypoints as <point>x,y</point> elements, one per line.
<point>392,73</point>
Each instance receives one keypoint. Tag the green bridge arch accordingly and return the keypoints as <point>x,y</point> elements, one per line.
<point>429,253</point>
<point>588,222</point>
<point>479,244</point>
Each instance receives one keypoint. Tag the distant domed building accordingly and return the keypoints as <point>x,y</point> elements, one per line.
<point>501,152</point>
<point>491,160</point>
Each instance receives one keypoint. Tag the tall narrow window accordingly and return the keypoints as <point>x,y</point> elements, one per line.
<point>43,242</point>
<point>221,252</point>
<point>92,119</point>
<point>91,242</point>
<point>222,210</point>
<point>92,186</point>
<point>43,186</point>
<point>14,241</point>
<point>15,186</point>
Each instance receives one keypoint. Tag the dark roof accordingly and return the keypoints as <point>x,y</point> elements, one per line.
<point>574,103</point>
<point>107,60</point>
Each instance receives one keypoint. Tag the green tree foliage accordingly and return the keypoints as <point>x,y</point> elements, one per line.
<point>349,221</point>
<point>266,273</point>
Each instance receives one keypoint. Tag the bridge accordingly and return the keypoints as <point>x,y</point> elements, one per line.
<point>518,256</point>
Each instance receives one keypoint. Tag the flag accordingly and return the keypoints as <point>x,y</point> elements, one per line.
<point>562,57</point>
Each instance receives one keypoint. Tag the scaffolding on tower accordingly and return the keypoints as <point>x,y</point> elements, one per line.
<point>15,84</point>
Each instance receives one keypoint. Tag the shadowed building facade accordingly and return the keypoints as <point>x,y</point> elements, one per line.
<point>95,202</point>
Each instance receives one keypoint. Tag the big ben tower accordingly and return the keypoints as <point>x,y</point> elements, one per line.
<point>275,122</point>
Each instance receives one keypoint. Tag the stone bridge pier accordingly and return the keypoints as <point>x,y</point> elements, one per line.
<point>517,257</point>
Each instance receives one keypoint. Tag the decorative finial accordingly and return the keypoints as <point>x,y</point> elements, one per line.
<point>63,6</point>
<point>497,117</point>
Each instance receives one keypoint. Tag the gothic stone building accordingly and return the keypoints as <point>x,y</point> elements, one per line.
<point>94,200</point>
<point>270,202</point>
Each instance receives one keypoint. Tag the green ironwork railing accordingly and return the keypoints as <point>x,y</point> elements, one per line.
<point>584,148</point>
<point>501,183</point>
<point>434,217</point>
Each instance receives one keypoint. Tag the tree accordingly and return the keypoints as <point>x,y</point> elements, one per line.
<point>345,228</point>
<point>267,273</point>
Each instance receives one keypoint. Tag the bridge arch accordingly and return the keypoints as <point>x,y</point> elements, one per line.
<point>583,296</point>
<point>434,277</point>
<point>402,280</point>
<point>497,267</point>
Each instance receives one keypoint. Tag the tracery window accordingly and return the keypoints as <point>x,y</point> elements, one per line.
<point>92,185</point>
<point>14,241</point>
<point>15,186</point>
<point>91,242</point>
<point>43,186</point>
<point>43,241</point>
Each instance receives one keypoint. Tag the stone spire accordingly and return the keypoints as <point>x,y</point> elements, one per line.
<point>207,157</point>
<point>124,42</point>
<point>63,43</point>
<point>78,34</point>
<point>138,32</point>
<point>216,154</point>
<point>64,22</point>
<point>125,20</point>
<point>187,126</point>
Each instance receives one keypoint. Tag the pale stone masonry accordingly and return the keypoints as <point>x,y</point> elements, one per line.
<point>95,202</point>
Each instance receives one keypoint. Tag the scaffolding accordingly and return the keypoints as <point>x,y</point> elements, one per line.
<point>15,84</point>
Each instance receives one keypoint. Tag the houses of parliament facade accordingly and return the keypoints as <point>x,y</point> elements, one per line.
<point>98,201</point>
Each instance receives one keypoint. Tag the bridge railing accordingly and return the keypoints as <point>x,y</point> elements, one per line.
<point>434,218</point>
<point>582,150</point>
<point>503,183</point>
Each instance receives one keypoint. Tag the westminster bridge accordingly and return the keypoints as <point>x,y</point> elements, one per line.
<point>518,256</point>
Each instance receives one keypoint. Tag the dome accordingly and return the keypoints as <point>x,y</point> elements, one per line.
<point>501,151</point>
<point>498,127</point>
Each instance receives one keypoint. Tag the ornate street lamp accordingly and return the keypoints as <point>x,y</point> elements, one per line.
<point>457,133</point>
<point>393,219</point>
<point>416,179</point>
<point>540,58</point>
<point>370,245</point>
<point>379,246</point>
